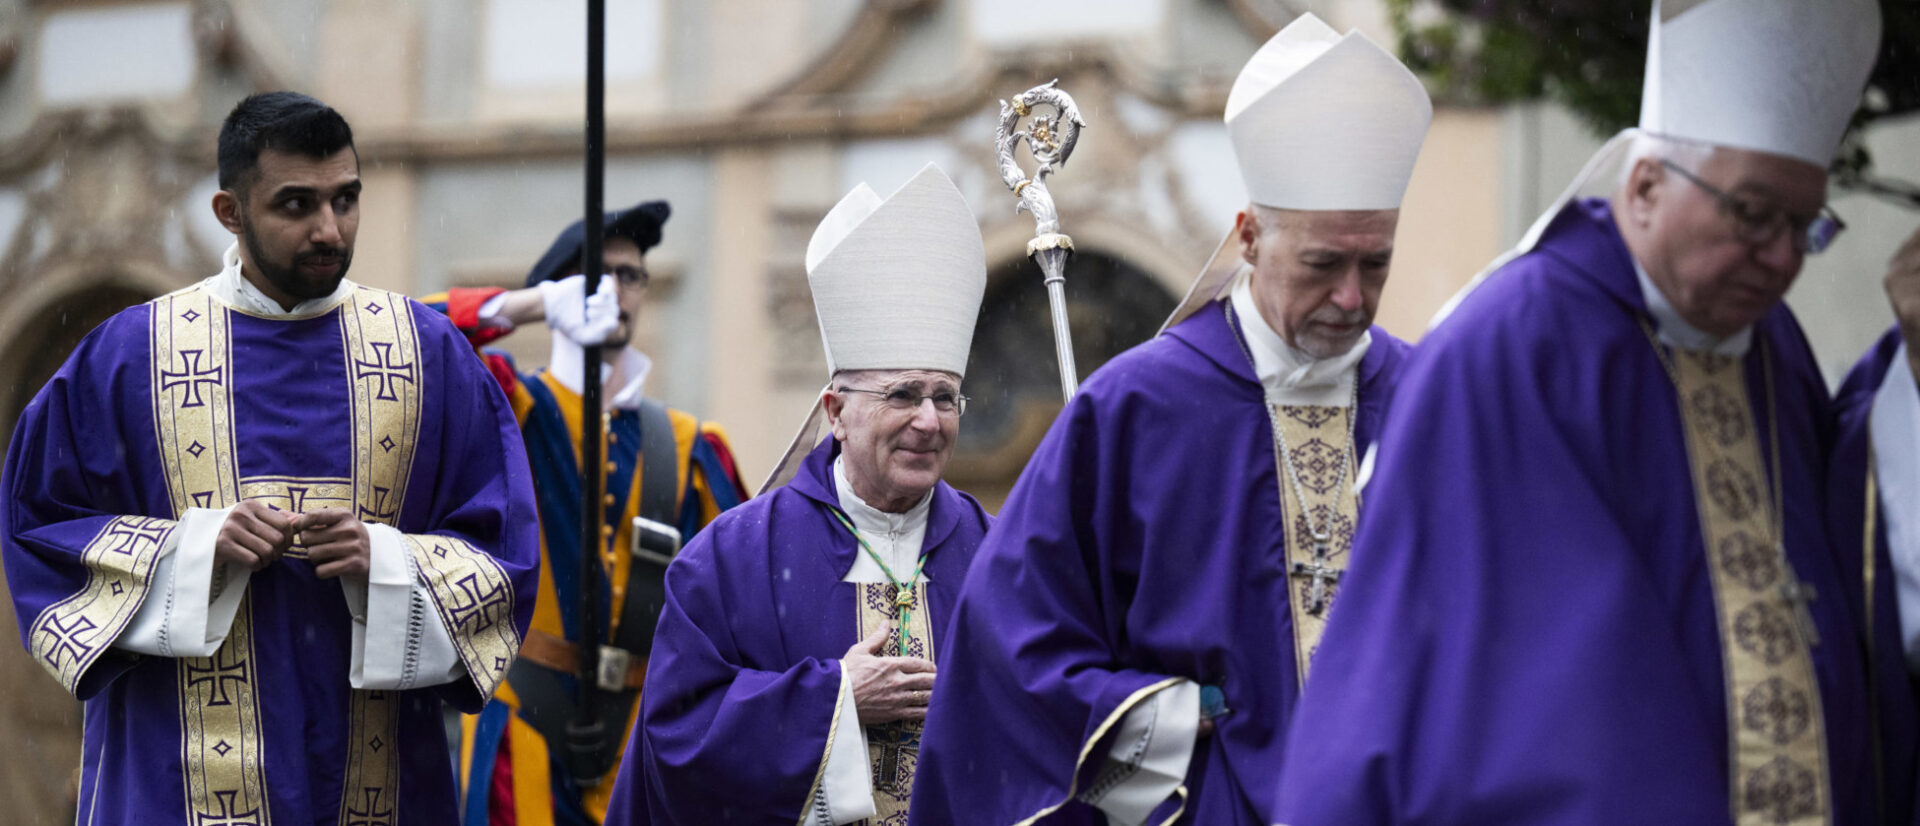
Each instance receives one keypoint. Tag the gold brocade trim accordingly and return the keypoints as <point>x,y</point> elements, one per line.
<point>383,369</point>
<point>70,634</point>
<point>367,798</point>
<point>192,409</point>
<point>893,749</point>
<point>820,775</point>
<point>474,598</point>
<point>220,741</point>
<point>1315,439</point>
<point>298,495</point>
<point>382,351</point>
<point>191,376</point>
<point>1779,772</point>
<point>1086,749</point>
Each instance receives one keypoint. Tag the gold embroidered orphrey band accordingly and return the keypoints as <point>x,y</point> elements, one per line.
<point>1779,772</point>
<point>893,749</point>
<point>192,375</point>
<point>1314,439</point>
<point>382,352</point>
<point>71,634</point>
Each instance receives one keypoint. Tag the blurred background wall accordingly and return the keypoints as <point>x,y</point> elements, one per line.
<point>752,117</point>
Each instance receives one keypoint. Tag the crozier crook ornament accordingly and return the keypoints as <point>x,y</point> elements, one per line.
<point>1050,140</point>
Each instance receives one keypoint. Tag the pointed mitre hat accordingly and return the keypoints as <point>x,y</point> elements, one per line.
<point>1776,76</point>
<point>896,285</point>
<point>1319,121</point>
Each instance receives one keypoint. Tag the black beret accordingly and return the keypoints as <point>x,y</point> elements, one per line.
<point>639,223</point>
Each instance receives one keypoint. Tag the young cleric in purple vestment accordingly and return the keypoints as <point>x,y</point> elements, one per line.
<point>1130,643</point>
<point>266,525</point>
<point>1600,582</point>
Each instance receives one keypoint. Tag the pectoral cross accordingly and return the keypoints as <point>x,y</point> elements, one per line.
<point>1799,595</point>
<point>1320,595</point>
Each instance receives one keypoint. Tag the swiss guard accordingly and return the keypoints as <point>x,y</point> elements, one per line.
<point>667,474</point>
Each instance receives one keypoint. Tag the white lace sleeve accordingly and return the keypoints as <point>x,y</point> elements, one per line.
<point>194,598</point>
<point>399,641</point>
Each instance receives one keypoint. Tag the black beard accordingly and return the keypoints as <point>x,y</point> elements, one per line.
<point>287,279</point>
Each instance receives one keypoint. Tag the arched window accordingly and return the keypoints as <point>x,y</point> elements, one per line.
<point>1013,377</point>
<point>39,352</point>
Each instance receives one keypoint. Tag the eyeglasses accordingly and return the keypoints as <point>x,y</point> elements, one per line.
<point>945,402</point>
<point>630,276</point>
<point>1759,226</point>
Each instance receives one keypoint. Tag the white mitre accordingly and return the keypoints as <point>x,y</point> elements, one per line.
<point>897,285</point>
<point>1319,121</point>
<point>1776,76</point>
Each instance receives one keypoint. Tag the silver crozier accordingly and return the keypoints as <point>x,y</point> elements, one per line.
<point>1050,141</point>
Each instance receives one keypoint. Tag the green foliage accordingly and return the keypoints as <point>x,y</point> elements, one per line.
<point>1589,55</point>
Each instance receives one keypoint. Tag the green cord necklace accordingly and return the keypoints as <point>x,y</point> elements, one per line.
<point>902,592</point>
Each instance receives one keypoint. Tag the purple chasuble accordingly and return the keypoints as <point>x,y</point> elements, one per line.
<point>1896,691</point>
<point>1143,542</point>
<point>1535,638</point>
<point>744,680</point>
<point>267,730</point>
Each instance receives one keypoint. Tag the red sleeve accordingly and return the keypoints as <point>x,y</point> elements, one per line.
<point>463,309</point>
<point>725,452</point>
<point>503,371</point>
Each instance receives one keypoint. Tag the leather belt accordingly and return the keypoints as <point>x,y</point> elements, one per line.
<point>548,651</point>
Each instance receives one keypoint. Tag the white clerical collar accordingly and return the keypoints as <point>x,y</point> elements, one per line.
<point>232,287</point>
<point>1676,332</point>
<point>563,361</point>
<point>897,537</point>
<point>1290,376</point>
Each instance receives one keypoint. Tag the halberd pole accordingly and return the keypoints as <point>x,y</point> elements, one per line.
<point>585,732</point>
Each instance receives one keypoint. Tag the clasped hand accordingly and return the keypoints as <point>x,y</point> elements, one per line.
<point>256,535</point>
<point>886,689</point>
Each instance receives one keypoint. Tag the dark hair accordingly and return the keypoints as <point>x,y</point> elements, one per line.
<point>282,121</point>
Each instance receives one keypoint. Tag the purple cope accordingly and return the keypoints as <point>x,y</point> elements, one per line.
<point>744,679</point>
<point>1531,634</point>
<point>1142,542</point>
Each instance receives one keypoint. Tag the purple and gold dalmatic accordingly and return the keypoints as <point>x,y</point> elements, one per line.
<point>375,404</point>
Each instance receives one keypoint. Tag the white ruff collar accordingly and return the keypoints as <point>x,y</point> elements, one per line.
<point>564,362</point>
